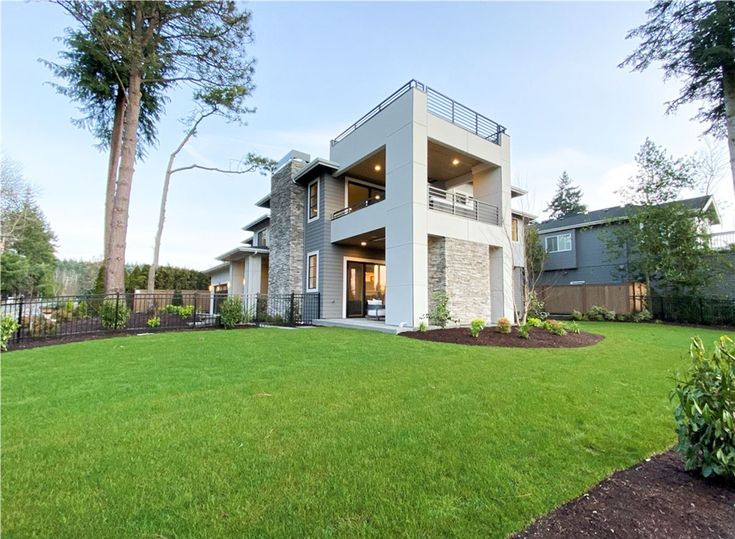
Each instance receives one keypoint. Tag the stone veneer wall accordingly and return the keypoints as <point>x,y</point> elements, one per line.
<point>461,269</point>
<point>286,257</point>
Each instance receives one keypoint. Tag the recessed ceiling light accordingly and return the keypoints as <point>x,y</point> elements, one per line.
<point>455,161</point>
<point>363,243</point>
<point>377,168</point>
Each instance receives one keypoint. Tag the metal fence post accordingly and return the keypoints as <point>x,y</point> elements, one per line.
<point>257,309</point>
<point>20,321</point>
<point>117,309</point>
<point>291,310</point>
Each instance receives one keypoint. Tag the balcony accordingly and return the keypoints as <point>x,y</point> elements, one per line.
<point>357,206</point>
<point>722,240</point>
<point>462,205</point>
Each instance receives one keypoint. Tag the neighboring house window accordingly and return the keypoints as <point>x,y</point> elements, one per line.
<point>514,229</point>
<point>262,238</point>
<point>312,271</point>
<point>314,200</point>
<point>559,243</point>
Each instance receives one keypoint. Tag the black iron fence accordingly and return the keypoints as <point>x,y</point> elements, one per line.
<point>65,316</point>
<point>691,309</point>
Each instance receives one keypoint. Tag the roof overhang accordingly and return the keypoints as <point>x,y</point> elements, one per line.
<point>264,202</point>
<point>517,192</point>
<point>251,227</point>
<point>525,215</point>
<point>216,269</point>
<point>238,253</point>
<point>306,173</point>
<point>711,210</point>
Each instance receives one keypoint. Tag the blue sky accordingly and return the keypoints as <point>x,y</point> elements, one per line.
<point>548,71</point>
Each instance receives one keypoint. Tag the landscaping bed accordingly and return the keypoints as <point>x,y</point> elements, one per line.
<point>656,498</point>
<point>538,338</point>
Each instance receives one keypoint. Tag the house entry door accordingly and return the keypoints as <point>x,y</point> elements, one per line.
<point>365,280</point>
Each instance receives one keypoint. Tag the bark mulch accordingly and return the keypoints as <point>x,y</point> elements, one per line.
<point>539,338</point>
<point>654,499</point>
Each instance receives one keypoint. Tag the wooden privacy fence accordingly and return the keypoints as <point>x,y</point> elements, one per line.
<point>142,300</point>
<point>625,298</point>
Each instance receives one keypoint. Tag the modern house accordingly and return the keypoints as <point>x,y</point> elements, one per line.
<point>576,247</point>
<point>414,198</point>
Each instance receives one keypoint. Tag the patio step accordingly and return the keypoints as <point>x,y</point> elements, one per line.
<point>358,323</point>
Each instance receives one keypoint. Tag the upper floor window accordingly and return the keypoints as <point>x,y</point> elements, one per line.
<point>514,229</point>
<point>261,239</point>
<point>312,271</point>
<point>558,243</point>
<point>358,193</point>
<point>313,192</point>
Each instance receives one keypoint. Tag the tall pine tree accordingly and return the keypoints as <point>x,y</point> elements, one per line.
<point>567,199</point>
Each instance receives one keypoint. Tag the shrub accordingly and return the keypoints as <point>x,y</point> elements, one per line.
<point>114,313</point>
<point>439,314</point>
<point>476,326</point>
<point>598,314</point>
<point>154,322</point>
<point>503,325</point>
<point>40,326</point>
<point>572,327</point>
<point>231,312</point>
<point>524,331</point>
<point>8,326</point>
<point>622,317</point>
<point>423,327</point>
<point>177,298</point>
<point>555,327</point>
<point>81,310</point>
<point>535,322</point>
<point>183,311</point>
<point>536,306</point>
<point>705,421</point>
<point>642,316</point>
<point>576,315</point>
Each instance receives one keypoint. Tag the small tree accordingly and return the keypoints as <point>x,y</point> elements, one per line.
<point>567,199</point>
<point>535,257</point>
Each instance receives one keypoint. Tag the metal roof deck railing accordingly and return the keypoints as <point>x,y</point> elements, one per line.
<point>439,105</point>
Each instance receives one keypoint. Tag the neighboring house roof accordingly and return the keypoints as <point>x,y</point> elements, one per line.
<point>309,170</point>
<point>264,202</point>
<point>217,268</point>
<point>250,227</point>
<point>239,252</point>
<point>517,192</point>
<point>704,204</point>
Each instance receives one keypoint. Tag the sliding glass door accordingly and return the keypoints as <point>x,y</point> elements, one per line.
<point>365,281</point>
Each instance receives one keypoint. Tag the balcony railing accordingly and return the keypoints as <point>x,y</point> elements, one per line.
<point>722,240</point>
<point>439,105</point>
<point>463,206</point>
<point>357,206</point>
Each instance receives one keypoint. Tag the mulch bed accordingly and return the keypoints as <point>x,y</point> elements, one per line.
<point>36,342</point>
<point>656,498</point>
<point>539,338</point>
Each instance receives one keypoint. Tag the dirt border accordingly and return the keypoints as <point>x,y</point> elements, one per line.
<point>538,338</point>
<point>654,498</point>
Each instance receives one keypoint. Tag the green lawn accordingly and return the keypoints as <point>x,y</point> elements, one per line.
<point>322,432</point>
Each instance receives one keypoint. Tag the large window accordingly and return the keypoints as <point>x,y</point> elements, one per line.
<point>312,271</point>
<point>514,229</point>
<point>314,200</point>
<point>558,243</point>
<point>358,192</point>
<point>262,238</point>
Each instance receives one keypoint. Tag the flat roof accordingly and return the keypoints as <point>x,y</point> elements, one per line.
<point>306,172</point>
<point>234,254</point>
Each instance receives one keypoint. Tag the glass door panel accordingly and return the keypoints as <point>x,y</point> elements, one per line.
<point>355,289</point>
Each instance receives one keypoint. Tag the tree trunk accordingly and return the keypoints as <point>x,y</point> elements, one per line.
<point>728,87</point>
<point>115,269</point>
<point>113,163</point>
<point>159,232</point>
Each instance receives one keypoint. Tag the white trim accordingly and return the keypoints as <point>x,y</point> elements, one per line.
<point>346,259</point>
<point>557,237</point>
<point>308,256</point>
<point>309,218</point>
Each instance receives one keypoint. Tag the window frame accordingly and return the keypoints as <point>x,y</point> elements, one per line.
<point>558,237</point>
<point>309,217</point>
<point>309,255</point>
<point>515,229</point>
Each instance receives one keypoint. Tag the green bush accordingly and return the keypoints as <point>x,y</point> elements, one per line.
<point>524,330</point>
<point>114,313</point>
<point>556,327</point>
<point>535,322</point>
<point>536,307</point>
<point>576,315</point>
<point>154,322</point>
<point>476,326</point>
<point>423,327</point>
<point>183,311</point>
<point>177,299</point>
<point>231,312</point>
<point>572,327</point>
<point>81,310</point>
<point>642,316</point>
<point>8,326</point>
<point>598,314</point>
<point>439,314</point>
<point>620,317</point>
<point>503,325</point>
<point>705,414</point>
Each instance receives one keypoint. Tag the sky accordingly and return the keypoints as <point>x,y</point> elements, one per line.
<point>547,71</point>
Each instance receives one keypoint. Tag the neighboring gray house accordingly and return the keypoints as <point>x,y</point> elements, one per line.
<point>414,198</point>
<point>576,248</point>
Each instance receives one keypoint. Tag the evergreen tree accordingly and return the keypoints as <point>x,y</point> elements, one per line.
<point>567,199</point>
